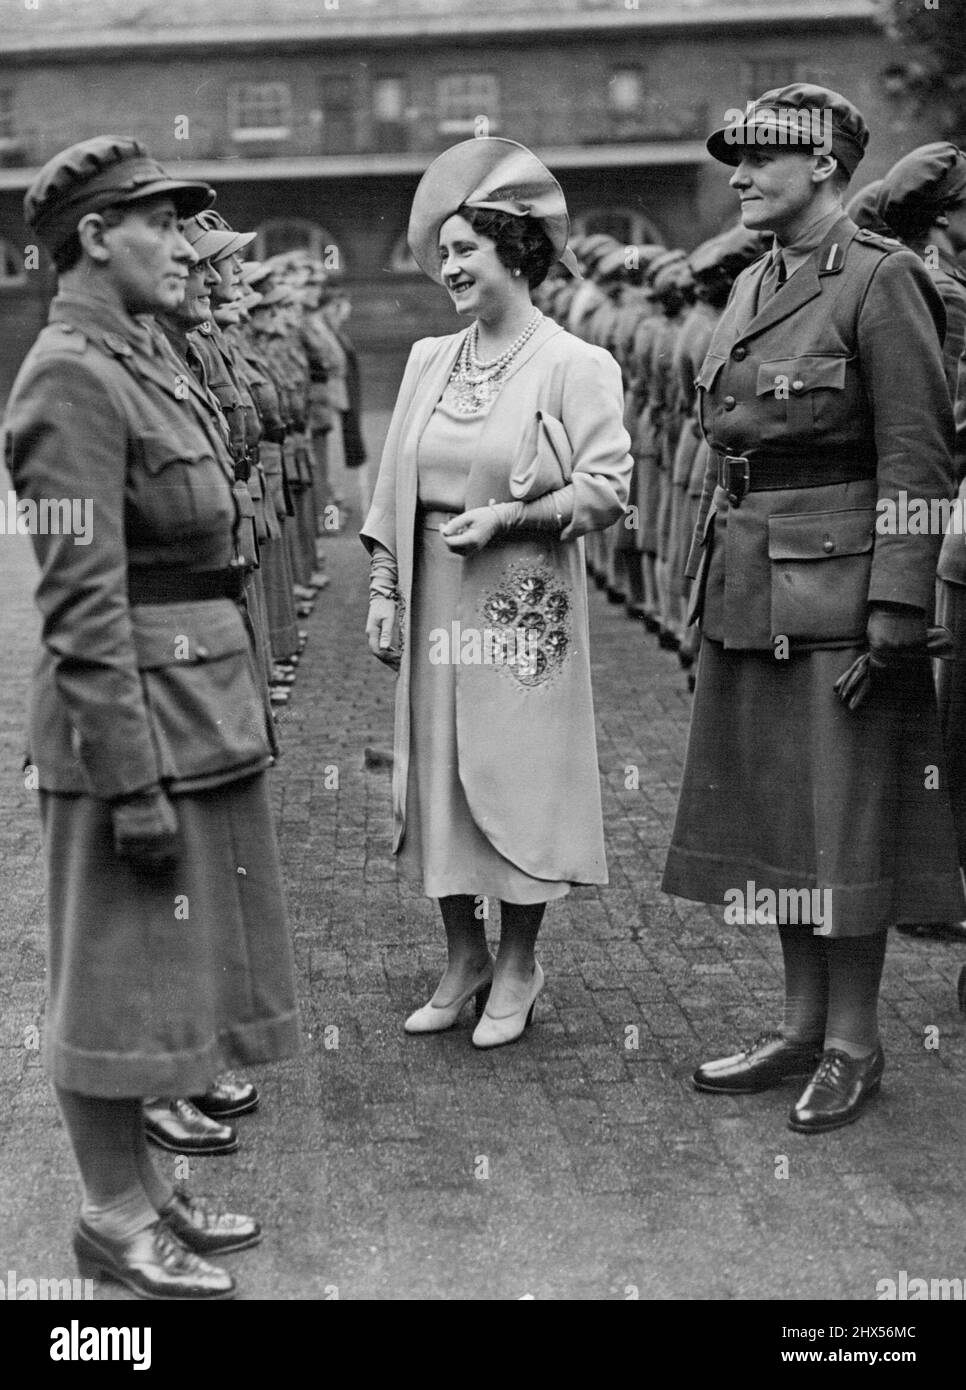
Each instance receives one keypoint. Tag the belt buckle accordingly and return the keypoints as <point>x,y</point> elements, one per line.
<point>735,470</point>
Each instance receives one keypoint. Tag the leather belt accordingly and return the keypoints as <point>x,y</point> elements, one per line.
<point>739,475</point>
<point>165,584</point>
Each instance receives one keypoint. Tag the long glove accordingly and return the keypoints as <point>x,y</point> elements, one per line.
<point>146,831</point>
<point>384,603</point>
<point>471,531</point>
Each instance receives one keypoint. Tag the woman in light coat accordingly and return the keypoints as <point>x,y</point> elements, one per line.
<point>505,447</point>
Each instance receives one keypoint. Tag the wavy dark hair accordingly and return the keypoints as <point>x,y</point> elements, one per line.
<point>521,243</point>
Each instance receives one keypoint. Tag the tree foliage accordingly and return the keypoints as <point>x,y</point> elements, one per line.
<point>930,65</point>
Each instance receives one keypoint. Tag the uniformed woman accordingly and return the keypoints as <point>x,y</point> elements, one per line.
<point>824,402</point>
<point>170,957</point>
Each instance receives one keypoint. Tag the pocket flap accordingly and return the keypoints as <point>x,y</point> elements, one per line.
<point>173,634</point>
<point>710,368</point>
<point>158,450</point>
<point>797,374</point>
<point>821,535</point>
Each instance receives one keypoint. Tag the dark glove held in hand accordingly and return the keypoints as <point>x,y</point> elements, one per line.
<point>146,830</point>
<point>894,635</point>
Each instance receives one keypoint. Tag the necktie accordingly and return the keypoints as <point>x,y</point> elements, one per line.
<point>774,277</point>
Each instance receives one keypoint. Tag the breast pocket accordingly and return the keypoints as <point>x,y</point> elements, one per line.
<point>181,488</point>
<point>821,563</point>
<point>808,389</point>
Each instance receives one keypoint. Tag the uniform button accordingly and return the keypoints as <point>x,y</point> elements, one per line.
<point>729,402</point>
<point>202,653</point>
<point>828,545</point>
<point>798,385</point>
<point>739,354</point>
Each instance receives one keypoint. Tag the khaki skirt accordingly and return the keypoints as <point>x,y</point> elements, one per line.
<point>157,982</point>
<point>786,789</point>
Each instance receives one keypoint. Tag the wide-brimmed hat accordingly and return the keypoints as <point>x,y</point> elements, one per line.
<point>488,172</point>
<point>212,238</point>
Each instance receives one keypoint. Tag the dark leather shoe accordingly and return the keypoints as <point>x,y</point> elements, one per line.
<point>152,1264</point>
<point>205,1229</point>
<point>837,1093</point>
<point>228,1095</point>
<point>180,1126</point>
<point>769,1061</point>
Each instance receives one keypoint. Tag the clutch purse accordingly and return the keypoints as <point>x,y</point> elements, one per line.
<point>545,461</point>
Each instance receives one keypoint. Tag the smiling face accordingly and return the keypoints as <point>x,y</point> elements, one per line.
<point>477,280</point>
<point>147,257</point>
<point>195,308</point>
<point>777,190</point>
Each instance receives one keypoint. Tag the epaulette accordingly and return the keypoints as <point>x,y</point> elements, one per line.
<point>60,337</point>
<point>877,240</point>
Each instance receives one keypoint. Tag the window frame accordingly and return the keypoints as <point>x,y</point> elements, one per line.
<point>465,123</point>
<point>240,98</point>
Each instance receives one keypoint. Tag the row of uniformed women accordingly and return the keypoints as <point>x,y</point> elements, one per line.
<point>186,431</point>
<point>654,309</point>
<point>244,345</point>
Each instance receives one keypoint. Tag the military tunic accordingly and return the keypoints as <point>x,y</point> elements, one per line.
<point>157,981</point>
<point>833,395</point>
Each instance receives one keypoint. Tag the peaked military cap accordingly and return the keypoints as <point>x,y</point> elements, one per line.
<point>728,251</point>
<point>94,174</point>
<point>863,208</point>
<point>799,117</point>
<point>927,180</point>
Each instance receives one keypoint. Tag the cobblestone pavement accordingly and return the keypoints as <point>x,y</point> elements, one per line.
<point>579,1163</point>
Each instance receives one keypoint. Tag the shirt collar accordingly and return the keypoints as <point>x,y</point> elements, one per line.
<point>798,252</point>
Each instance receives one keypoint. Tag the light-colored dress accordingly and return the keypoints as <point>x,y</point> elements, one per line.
<point>519,771</point>
<point>443,842</point>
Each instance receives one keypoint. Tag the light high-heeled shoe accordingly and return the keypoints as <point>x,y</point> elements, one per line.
<point>493,1032</point>
<point>432,1018</point>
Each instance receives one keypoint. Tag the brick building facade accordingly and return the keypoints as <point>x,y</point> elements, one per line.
<point>315,120</point>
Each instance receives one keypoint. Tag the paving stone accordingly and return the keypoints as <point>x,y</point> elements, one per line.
<point>606,1175</point>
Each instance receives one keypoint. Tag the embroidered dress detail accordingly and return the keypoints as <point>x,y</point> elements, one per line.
<point>528,624</point>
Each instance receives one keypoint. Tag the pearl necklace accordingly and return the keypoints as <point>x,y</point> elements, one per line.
<point>474,384</point>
